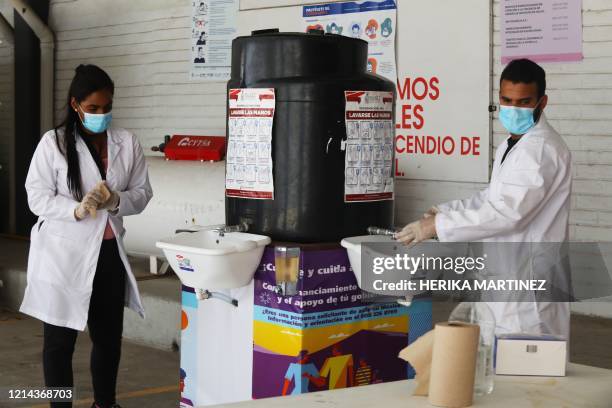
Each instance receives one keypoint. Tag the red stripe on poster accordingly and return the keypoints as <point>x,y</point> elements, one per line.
<point>368,197</point>
<point>262,195</point>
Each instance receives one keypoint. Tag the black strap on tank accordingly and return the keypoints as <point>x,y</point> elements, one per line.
<point>95,156</point>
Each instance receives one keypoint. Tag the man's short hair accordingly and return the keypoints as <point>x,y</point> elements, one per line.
<point>525,71</point>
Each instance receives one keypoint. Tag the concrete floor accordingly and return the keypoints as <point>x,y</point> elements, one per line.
<point>148,377</point>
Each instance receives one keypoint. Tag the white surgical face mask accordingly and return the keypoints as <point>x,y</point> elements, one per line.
<point>96,122</point>
<point>517,121</point>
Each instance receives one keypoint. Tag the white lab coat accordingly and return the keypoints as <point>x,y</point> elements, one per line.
<point>64,252</point>
<point>527,201</point>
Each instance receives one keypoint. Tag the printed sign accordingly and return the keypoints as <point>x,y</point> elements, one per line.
<point>249,152</point>
<point>369,146</point>
<point>212,31</point>
<point>325,336</point>
<point>443,91</point>
<point>541,30</point>
<point>372,21</point>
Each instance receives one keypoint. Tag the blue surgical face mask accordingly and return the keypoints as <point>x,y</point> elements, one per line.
<point>96,122</point>
<point>517,121</point>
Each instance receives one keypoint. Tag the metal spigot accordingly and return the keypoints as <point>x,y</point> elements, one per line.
<point>226,229</point>
<point>405,301</point>
<point>381,231</point>
<point>204,294</point>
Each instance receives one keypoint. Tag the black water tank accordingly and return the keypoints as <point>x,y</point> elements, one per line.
<point>309,73</point>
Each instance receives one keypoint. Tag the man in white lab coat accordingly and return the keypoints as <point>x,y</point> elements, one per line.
<point>527,200</point>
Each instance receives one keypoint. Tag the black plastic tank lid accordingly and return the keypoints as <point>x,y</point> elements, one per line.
<point>271,55</point>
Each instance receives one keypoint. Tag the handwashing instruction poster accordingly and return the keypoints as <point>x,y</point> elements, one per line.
<point>249,149</point>
<point>212,31</point>
<point>369,146</point>
<point>372,21</point>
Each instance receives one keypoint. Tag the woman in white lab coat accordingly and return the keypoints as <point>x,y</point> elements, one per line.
<point>83,178</point>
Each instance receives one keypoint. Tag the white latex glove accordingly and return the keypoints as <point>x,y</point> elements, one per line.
<point>86,207</point>
<point>108,199</point>
<point>417,231</point>
<point>431,212</point>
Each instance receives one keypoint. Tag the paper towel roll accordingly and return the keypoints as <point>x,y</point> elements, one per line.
<point>453,364</point>
<point>418,354</point>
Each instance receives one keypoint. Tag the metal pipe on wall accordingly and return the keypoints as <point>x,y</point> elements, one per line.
<point>47,59</point>
<point>7,36</point>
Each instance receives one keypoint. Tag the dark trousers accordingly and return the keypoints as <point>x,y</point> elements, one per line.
<point>105,323</point>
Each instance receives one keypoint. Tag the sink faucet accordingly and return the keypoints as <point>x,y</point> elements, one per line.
<point>381,231</point>
<point>242,227</point>
<point>220,229</point>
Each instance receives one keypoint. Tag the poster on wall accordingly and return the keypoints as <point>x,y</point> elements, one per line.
<point>212,31</point>
<point>543,31</point>
<point>369,146</point>
<point>372,21</point>
<point>249,149</point>
<point>442,129</point>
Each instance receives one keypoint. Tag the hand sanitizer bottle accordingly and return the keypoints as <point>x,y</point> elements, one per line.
<point>479,313</point>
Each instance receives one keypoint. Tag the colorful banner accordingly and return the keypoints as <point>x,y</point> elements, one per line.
<point>212,31</point>
<point>369,146</point>
<point>249,149</point>
<point>543,31</point>
<point>325,337</point>
<point>372,21</point>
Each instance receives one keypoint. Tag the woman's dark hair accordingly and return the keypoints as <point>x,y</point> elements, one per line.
<point>87,80</point>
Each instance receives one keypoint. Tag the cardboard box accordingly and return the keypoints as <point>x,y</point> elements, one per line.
<point>527,354</point>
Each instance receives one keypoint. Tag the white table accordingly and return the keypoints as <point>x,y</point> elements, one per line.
<point>584,386</point>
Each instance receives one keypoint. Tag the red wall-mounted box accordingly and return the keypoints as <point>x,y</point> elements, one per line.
<point>201,148</point>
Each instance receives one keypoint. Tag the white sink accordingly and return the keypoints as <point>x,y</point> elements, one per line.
<point>353,249</point>
<point>209,261</point>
